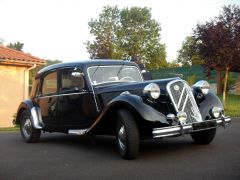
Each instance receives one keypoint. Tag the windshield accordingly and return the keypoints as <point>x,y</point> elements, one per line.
<point>112,74</point>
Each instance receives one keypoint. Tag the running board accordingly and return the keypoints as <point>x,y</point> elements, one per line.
<point>77,131</point>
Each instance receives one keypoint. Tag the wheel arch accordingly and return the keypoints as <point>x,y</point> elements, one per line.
<point>33,110</point>
<point>133,103</point>
<point>208,103</point>
<point>25,105</point>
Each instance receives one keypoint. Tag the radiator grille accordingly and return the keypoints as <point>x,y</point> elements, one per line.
<point>183,100</point>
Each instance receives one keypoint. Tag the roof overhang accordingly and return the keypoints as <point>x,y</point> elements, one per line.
<point>9,62</point>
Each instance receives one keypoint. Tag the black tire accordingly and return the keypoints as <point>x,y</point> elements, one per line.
<point>127,135</point>
<point>204,137</point>
<point>28,132</point>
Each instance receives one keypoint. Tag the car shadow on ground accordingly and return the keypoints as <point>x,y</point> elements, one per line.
<point>106,145</point>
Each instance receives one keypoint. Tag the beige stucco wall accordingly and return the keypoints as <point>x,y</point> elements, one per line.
<point>12,91</point>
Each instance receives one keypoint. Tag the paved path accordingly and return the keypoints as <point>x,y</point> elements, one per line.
<point>60,156</point>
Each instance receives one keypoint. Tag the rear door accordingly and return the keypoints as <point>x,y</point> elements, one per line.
<point>48,98</point>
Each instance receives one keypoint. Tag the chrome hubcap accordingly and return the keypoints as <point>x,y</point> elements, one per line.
<point>122,138</point>
<point>27,128</point>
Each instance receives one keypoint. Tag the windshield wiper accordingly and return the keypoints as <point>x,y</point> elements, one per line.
<point>120,69</point>
<point>92,75</point>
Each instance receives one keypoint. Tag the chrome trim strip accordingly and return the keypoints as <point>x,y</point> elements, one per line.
<point>94,97</point>
<point>57,95</point>
<point>35,117</point>
<point>77,131</point>
<point>180,99</point>
<point>177,130</point>
<point>170,94</point>
<point>185,102</point>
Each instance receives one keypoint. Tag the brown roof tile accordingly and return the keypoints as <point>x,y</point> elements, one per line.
<point>11,55</point>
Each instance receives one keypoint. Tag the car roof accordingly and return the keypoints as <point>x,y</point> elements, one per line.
<point>84,63</point>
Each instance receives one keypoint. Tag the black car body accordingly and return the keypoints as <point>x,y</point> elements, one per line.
<point>110,97</point>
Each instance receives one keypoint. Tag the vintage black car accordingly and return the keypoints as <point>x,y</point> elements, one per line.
<point>110,97</point>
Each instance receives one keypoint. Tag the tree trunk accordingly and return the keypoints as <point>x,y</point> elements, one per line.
<point>219,82</point>
<point>225,87</point>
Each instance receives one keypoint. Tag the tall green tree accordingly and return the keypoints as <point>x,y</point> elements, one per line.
<point>127,33</point>
<point>187,55</point>
<point>17,46</point>
<point>104,30</point>
<point>140,36</point>
<point>218,42</point>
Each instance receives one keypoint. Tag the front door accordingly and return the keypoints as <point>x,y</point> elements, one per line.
<point>75,107</point>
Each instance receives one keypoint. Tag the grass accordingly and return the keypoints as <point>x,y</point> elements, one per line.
<point>7,129</point>
<point>232,105</point>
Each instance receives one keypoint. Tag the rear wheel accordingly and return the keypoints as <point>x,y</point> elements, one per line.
<point>127,135</point>
<point>204,137</point>
<point>28,132</point>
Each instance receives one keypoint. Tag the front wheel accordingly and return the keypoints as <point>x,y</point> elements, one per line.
<point>127,135</point>
<point>204,137</point>
<point>28,132</point>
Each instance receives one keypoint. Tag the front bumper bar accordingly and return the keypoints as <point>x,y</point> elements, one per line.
<point>188,128</point>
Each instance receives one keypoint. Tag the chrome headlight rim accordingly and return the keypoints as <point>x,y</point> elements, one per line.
<point>203,86</point>
<point>153,90</point>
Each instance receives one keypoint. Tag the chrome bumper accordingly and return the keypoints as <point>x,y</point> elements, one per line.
<point>188,128</point>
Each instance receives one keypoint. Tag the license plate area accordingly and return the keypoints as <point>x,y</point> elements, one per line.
<point>204,125</point>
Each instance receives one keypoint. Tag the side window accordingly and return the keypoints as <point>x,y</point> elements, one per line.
<point>71,80</point>
<point>50,84</point>
<point>35,86</point>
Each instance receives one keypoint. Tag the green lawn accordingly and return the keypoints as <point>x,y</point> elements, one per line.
<point>232,105</point>
<point>7,129</point>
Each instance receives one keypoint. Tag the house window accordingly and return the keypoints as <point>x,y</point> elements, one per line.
<point>71,80</point>
<point>50,84</point>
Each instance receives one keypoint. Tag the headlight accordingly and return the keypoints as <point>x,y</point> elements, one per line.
<point>153,90</point>
<point>216,112</point>
<point>182,117</point>
<point>202,86</point>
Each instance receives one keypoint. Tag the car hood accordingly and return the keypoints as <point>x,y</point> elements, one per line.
<point>136,86</point>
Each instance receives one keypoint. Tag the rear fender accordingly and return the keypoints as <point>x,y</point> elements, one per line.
<point>35,112</point>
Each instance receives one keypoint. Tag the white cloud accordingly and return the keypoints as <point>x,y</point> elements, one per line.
<point>57,29</point>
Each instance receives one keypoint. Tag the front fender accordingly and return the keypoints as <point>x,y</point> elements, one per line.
<point>210,100</point>
<point>135,102</point>
<point>35,112</point>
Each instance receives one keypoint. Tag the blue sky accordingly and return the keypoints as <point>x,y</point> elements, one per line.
<point>57,29</point>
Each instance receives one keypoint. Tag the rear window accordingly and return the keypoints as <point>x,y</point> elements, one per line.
<point>50,84</point>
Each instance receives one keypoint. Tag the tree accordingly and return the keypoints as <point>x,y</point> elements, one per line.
<point>104,29</point>
<point>120,34</point>
<point>17,46</point>
<point>140,36</point>
<point>187,55</point>
<point>218,42</point>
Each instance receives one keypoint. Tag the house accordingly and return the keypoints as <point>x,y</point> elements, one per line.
<point>14,81</point>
